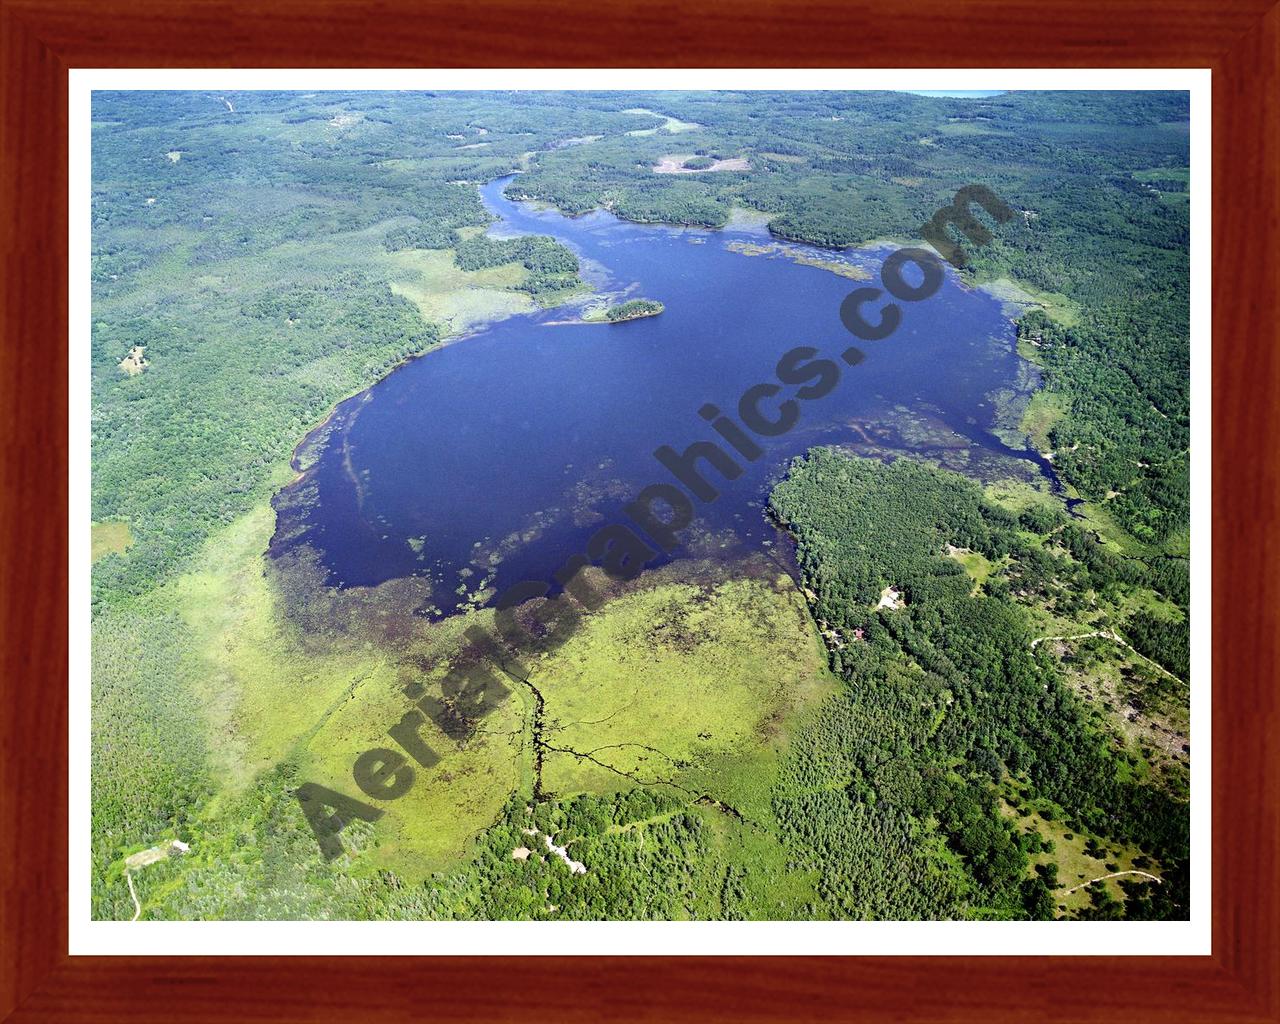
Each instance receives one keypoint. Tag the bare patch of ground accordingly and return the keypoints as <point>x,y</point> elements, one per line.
<point>675,164</point>
<point>576,867</point>
<point>155,853</point>
<point>342,122</point>
<point>890,598</point>
<point>577,140</point>
<point>134,363</point>
<point>672,124</point>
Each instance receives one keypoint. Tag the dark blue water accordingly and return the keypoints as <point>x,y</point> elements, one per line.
<point>493,459</point>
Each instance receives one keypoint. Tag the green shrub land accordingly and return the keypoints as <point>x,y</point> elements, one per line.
<point>1014,726</point>
<point>947,697</point>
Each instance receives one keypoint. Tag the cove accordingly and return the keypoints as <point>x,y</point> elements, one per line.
<point>490,461</point>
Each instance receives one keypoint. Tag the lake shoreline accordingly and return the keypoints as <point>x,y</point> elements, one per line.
<point>674,275</point>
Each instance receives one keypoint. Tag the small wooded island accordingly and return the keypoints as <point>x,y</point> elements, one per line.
<point>632,310</point>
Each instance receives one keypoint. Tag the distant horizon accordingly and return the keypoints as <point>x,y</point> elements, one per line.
<point>962,94</point>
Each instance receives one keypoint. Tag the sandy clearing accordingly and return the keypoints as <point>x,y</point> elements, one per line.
<point>134,363</point>
<point>674,164</point>
<point>890,598</point>
<point>672,124</point>
<point>575,867</point>
<point>141,859</point>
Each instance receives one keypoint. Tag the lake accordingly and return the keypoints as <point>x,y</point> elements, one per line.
<point>492,459</point>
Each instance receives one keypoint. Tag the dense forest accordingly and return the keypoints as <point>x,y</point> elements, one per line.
<point>268,255</point>
<point>946,698</point>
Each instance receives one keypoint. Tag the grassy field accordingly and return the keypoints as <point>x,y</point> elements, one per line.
<point>689,684</point>
<point>976,564</point>
<point>459,299</point>
<point>665,681</point>
<point>1018,495</point>
<point>1070,851</point>
<point>1044,410</point>
<point>697,688</point>
<point>1019,294</point>
<point>456,299</point>
<point>1155,176</point>
<point>109,538</point>
<point>272,694</point>
<point>1182,174</point>
<point>1100,519</point>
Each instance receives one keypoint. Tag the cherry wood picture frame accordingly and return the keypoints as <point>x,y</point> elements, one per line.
<point>41,40</point>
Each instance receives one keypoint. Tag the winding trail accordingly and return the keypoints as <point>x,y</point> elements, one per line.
<point>128,876</point>
<point>1077,636</point>
<point>1114,874</point>
<point>1108,634</point>
<point>136,861</point>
